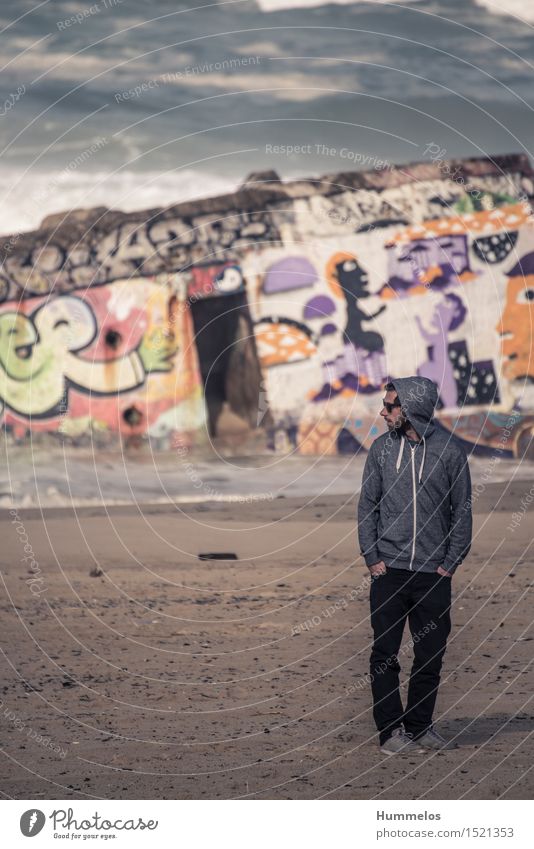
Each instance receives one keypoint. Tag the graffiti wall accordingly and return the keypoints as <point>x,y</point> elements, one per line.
<point>112,358</point>
<point>449,299</point>
<point>339,289</point>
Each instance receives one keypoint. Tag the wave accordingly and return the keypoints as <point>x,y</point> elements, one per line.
<point>521,9</point>
<point>34,196</point>
<point>281,5</point>
<point>516,8</point>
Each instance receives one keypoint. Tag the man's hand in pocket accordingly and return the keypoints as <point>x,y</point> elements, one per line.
<point>377,568</point>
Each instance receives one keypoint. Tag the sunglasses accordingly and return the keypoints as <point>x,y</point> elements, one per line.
<point>391,406</point>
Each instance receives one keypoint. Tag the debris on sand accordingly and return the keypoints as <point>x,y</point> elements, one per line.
<point>218,555</point>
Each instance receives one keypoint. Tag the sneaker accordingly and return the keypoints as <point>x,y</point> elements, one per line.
<point>400,743</point>
<point>432,740</point>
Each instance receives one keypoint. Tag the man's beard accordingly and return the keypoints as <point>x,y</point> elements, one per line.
<point>400,427</point>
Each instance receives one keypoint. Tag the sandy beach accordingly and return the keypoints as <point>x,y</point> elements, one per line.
<point>132,669</point>
<point>233,232</point>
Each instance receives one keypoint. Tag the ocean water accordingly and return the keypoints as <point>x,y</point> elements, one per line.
<point>522,9</point>
<point>133,105</point>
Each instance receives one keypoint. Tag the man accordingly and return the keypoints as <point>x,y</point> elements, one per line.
<point>414,525</point>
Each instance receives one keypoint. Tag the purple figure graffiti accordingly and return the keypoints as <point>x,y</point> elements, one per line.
<point>447,316</point>
<point>462,382</point>
<point>435,262</point>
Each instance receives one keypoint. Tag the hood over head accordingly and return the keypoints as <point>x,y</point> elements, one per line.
<point>418,397</point>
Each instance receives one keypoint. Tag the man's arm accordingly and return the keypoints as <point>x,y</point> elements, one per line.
<point>369,509</point>
<point>461,515</point>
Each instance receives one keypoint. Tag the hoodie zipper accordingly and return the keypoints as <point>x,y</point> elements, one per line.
<point>414,493</point>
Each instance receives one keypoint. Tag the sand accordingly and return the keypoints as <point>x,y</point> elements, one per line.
<point>131,669</point>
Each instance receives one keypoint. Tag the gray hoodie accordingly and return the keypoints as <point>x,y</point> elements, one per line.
<point>415,502</point>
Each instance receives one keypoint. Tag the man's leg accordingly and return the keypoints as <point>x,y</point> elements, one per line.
<point>389,609</point>
<point>430,624</point>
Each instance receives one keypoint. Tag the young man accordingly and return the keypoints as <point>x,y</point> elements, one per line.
<point>414,525</point>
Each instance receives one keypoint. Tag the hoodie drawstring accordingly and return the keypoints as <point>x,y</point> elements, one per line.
<point>423,463</point>
<point>397,465</point>
<point>401,448</point>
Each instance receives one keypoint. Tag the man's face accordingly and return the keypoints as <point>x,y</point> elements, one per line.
<point>394,419</point>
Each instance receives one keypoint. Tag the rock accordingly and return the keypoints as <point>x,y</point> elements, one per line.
<point>269,176</point>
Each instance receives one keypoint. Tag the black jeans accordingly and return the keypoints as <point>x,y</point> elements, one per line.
<point>424,598</point>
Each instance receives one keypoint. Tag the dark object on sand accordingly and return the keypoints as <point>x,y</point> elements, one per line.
<point>96,572</point>
<point>218,555</point>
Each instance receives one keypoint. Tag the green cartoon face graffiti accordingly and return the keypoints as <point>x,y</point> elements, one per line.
<point>35,351</point>
<point>17,339</point>
<point>39,358</point>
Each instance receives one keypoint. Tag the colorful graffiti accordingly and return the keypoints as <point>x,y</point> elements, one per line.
<point>135,248</point>
<point>219,279</point>
<point>448,299</point>
<point>64,358</point>
<point>318,293</point>
<point>434,262</point>
<point>288,274</point>
<point>516,323</point>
